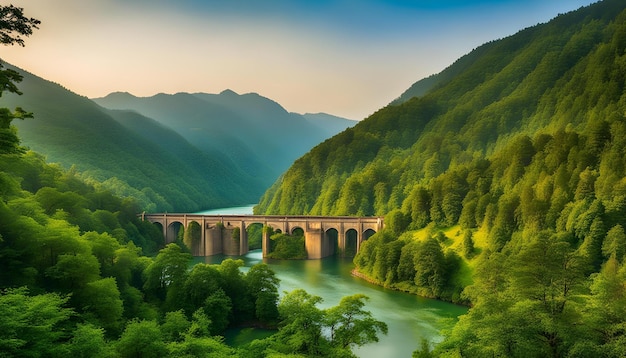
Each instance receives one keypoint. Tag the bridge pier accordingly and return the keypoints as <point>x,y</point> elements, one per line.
<point>243,247</point>
<point>316,246</point>
<point>341,242</point>
<point>213,240</point>
<point>265,240</point>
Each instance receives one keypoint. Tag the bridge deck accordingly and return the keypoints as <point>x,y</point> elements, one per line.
<point>217,230</point>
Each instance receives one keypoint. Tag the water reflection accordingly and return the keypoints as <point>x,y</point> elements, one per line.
<point>410,318</point>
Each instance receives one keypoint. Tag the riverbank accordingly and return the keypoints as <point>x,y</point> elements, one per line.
<point>355,272</point>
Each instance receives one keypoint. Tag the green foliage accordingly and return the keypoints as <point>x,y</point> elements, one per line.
<point>89,341</point>
<point>350,325</point>
<point>141,339</point>
<point>407,264</point>
<point>174,326</point>
<point>468,245</point>
<point>165,276</point>
<point>192,235</point>
<point>397,222</point>
<point>100,300</point>
<point>263,285</point>
<point>13,25</point>
<point>284,246</point>
<point>255,236</point>
<point>304,325</point>
<point>32,325</point>
<point>236,288</point>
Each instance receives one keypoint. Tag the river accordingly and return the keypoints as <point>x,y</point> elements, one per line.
<point>409,318</point>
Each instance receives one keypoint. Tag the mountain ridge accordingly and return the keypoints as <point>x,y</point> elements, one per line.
<point>135,155</point>
<point>501,89</point>
<point>250,120</point>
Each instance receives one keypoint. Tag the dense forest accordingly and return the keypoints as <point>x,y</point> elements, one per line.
<point>82,276</point>
<point>502,181</point>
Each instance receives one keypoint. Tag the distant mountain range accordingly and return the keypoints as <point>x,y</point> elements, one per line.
<point>181,152</point>
<point>256,133</point>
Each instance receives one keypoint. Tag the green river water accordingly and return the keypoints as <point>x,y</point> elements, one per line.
<point>409,318</point>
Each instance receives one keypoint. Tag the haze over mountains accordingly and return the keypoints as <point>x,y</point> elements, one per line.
<point>182,152</point>
<point>259,135</point>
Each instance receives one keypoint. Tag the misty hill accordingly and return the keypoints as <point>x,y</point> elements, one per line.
<point>182,160</point>
<point>132,155</point>
<point>328,123</point>
<point>256,133</point>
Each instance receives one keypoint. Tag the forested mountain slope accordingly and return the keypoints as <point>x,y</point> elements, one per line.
<point>73,131</point>
<point>503,187</point>
<point>516,97</point>
<point>182,159</point>
<point>256,133</point>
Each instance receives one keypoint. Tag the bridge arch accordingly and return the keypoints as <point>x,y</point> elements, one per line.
<point>368,233</point>
<point>331,236</point>
<point>173,229</point>
<point>193,237</point>
<point>351,246</point>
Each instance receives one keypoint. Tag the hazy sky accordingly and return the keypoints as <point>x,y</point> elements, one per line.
<point>344,57</point>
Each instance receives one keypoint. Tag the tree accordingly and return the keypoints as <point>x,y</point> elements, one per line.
<point>285,246</point>
<point>430,268</point>
<point>101,302</point>
<point>350,325</point>
<point>32,325</point>
<point>141,339</point>
<point>201,282</point>
<point>103,246</point>
<point>307,330</point>
<point>302,321</point>
<point>468,244</point>
<point>74,271</point>
<point>192,236</point>
<point>174,326</point>
<point>236,287</point>
<point>418,204</point>
<point>13,25</point>
<point>424,351</point>
<point>166,274</point>
<point>606,309</point>
<point>263,285</point>
<point>88,341</point>
<point>397,222</point>
<point>197,341</point>
<point>615,243</point>
<point>127,265</point>
<point>218,308</point>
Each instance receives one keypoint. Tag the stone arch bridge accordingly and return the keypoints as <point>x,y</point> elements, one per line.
<point>227,234</point>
